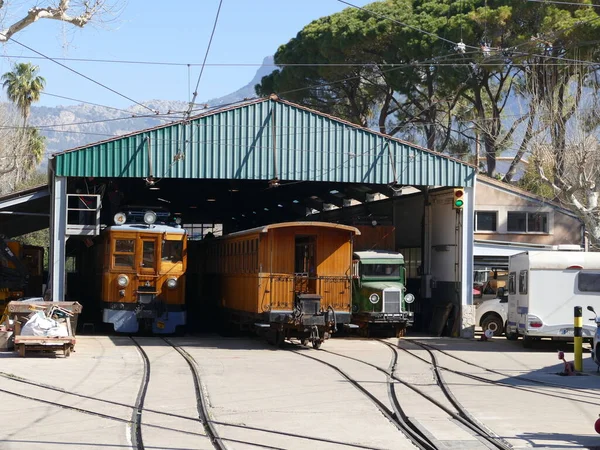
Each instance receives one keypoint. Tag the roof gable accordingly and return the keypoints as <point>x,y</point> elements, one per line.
<point>265,139</point>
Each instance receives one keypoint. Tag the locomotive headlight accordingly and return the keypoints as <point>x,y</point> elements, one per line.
<point>120,218</point>
<point>122,280</point>
<point>172,283</point>
<point>374,298</point>
<point>409,298</point>
<point>150,217</point>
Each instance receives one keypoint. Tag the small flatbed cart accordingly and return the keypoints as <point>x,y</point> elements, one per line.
<point>44,343</point>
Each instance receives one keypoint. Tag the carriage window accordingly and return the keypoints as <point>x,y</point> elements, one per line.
<point>172,251</point>
<point>588,281</point>
<point>305,255</point>
<point>148,254</point>
<point>124,249</point>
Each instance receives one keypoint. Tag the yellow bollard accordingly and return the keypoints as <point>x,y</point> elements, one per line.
<point>577,333</point>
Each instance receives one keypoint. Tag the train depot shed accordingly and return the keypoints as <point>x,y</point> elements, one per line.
<point>267,161</point>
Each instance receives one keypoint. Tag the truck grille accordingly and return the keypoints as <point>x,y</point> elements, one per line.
<point>391,302</point>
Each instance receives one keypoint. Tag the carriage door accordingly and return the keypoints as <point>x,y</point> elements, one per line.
<point>149,261</point>
<point>305,265</point>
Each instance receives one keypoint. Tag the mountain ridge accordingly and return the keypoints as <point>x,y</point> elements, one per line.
<point>67,127</point>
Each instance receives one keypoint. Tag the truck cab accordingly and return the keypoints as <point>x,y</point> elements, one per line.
<point>379,298</point>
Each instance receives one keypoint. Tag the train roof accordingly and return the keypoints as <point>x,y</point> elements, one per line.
<point>267,228</point>
<point>142,227</point>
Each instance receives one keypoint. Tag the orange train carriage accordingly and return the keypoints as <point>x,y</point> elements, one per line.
<point>291,280</point>
<point>143,260</point>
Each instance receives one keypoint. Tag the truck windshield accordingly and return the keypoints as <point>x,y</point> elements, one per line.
<point>381,270</point>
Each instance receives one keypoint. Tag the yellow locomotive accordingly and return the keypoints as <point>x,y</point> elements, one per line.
<point>143,260</point>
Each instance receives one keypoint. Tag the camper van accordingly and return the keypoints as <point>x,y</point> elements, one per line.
<point>543,289</point>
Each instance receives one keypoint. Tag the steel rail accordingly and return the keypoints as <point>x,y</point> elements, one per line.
<point>448,411</point>
<point>480,428</point>
<point>136,415</point>
<point>209,428</point>
<point>517,377</point>
<point>396,418</point>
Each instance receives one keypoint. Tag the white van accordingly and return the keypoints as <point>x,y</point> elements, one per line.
<point>543,289</point>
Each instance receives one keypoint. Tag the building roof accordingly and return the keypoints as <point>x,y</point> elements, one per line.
<point>265,139</point>
<point>523,193</point>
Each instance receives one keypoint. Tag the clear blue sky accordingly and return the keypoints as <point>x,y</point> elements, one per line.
<point>168,31</point>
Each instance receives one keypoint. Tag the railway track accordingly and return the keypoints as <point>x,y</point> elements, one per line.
<point>203,415</point>
<point>567,392</point>
<point>398,416</point>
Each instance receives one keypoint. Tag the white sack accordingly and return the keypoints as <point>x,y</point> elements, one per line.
<point>38,325</point>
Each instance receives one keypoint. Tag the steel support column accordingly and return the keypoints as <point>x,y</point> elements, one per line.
<point>58,238</point>
<point>466,264</point>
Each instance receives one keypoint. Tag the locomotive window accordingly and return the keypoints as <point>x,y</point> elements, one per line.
<point>124,260</point>
<point>148,254</point>
<point>124,245</point>
<point>172,251</point>
<point>124,249</point>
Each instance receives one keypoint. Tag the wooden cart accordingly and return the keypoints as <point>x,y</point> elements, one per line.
<point>19,312</point>
<point>44,343</point>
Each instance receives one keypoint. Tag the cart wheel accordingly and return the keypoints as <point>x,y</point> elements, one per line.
<point>305,342</point>
<point>317,344</point>
<point>22,350</point>
<point>67,350</point>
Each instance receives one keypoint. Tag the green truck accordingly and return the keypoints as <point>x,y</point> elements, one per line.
<point>379,298</point>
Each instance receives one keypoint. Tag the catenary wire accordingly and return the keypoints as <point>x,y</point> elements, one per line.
<point>81,75</point>
<point>565,3</point>
<point>420,30</point>
<point>212,34</point>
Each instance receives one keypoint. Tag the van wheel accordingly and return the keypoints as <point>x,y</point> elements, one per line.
<point>493,323</point>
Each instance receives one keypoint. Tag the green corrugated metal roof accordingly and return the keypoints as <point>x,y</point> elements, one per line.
<point>237,143</point>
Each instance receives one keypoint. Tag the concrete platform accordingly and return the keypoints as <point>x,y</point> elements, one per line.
<point>259,396</point>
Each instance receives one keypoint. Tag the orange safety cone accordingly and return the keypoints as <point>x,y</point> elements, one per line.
<point>569,369</point>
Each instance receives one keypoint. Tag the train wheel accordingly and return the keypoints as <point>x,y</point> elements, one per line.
<point>279,338</point>
<point>317,344</point>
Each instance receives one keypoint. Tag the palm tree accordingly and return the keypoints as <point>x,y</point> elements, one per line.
<point>23,87</point>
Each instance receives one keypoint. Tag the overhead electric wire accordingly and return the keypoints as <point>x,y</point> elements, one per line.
<point>85,102</point>
<point>564,3</point>
<point>82,75</point>
<point>205,57</point>
<point>412,27</point>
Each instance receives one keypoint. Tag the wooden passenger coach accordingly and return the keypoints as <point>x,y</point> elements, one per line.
<point>292,279</point>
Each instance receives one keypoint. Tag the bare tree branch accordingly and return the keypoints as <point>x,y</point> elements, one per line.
<point>60,12</point>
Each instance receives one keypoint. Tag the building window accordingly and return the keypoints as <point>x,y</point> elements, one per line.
<point>527,222</point>
<point>485,220</point>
